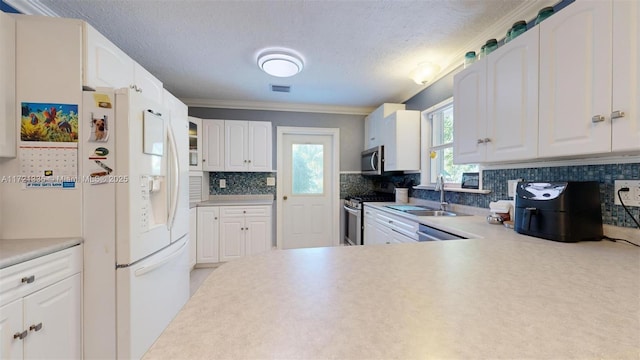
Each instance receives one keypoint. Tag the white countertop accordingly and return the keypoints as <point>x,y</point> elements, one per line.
<point>14,251</point>
<point>501,295</point>
<point>232,200</point>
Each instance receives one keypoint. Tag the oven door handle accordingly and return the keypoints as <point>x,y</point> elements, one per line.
<point>351,211</point>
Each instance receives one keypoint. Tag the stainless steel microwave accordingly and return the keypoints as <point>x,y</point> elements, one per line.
<point>372,161</point>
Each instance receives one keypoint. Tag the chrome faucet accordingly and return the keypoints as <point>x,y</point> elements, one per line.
<point>440,187</point>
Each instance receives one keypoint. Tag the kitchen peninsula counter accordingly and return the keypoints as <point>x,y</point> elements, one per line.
<point>494,297</point>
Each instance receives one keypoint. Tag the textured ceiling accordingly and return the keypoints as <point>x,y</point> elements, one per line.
<point>356,53</point>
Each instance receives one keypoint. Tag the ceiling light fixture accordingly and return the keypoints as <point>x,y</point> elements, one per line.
<point>425,72</point>
<point>280,63</point>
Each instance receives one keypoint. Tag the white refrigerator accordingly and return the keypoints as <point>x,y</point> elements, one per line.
<point>135,221</point>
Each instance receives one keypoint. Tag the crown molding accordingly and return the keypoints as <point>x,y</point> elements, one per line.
<point>31,7</point>
<point>527,11</point>
<point>276,106</point>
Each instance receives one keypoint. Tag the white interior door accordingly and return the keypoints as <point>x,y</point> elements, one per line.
<point>309,189</point>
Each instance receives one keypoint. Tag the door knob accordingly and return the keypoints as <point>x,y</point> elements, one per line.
<point>284,197</point>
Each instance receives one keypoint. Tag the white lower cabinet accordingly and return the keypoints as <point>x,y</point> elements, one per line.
<point>382,227</point>
<point>230,232</point>
<point>208,243</point>
<point>244,230</point>
<point>40,308</point>
<point>370,227</point>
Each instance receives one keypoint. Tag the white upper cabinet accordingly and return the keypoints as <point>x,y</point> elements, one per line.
<point>7,86</point>
<point>248,146</point>
<point>108,66</point>
<point>147,84</point>
<point>213,145</point>
<point>469,113</point>
<point>402,141</point>
<point>575,80</point>
<point>105,64</point>
<point>195,144</point>
<point>260,146</point>
<point>236,147</point>
<point>626,76</point>
<point>373,134</point>
<point>512,100</point>
<point>496,104</point>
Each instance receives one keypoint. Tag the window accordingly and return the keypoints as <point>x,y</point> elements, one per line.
<point>437,146</point>
<point>307,169</point>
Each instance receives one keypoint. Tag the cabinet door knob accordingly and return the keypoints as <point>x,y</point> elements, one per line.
<point>284,197</point>
<point>246,228</point>
<point>480,141</point>
<point>617,114</point>
<point>215,218</point>
<point>487,140</point>
<point>28,279</point>
<point>20,335</point>
<point>249,161</point>
<point>203,160</point>
<point>597,119</point>
<point>35,327</point>
<point>241,228</point>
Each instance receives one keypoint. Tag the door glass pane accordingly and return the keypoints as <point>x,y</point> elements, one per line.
<point>307,168</point>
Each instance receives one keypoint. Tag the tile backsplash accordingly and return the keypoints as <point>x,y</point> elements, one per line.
<point>494,180</point>
<point>241,183</point>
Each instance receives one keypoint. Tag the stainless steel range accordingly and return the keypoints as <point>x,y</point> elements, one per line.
<point>353,206</point>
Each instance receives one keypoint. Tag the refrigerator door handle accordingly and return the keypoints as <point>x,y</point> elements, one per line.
<point>149,268</point>
<point>175,179</point>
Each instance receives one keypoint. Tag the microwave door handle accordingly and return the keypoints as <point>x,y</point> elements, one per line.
<point>373,162</point>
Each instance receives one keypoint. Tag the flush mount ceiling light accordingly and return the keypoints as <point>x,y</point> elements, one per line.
<point>425,72</point>
<point>280,63</point>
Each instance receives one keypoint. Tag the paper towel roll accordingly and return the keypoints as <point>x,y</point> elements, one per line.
<point>402,195</point>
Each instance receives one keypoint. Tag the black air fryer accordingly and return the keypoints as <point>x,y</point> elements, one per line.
<point>561,211</point>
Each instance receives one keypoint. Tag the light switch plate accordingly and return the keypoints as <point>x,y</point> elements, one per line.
<point>631,197</point>
<point>271,181</point>
<point>223,183</point>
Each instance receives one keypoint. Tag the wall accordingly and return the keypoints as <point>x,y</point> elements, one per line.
<point>42,213</point>
<point>434,94</point>
<point>351,128</point>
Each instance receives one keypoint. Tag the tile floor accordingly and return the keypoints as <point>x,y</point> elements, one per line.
<point>198,275</point>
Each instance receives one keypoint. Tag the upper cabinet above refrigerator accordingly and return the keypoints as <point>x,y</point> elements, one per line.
<point>108,66</point>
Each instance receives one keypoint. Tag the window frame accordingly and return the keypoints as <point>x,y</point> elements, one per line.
<point>426,145</point>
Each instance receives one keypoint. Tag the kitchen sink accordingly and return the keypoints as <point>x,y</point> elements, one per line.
<point>434,213</point>
<point>418,210</point>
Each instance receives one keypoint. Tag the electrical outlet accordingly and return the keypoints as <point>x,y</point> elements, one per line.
<point>511,187</point>
<point>271,181</point>
<point>631,197</point>
<point>223,183</point>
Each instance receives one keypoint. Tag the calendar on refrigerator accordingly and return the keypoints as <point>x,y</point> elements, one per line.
<point>50,165</point>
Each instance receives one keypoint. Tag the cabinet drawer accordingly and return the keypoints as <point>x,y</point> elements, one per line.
<point>234,211</point>
<point>22,279</point>
<point>398,224</point>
